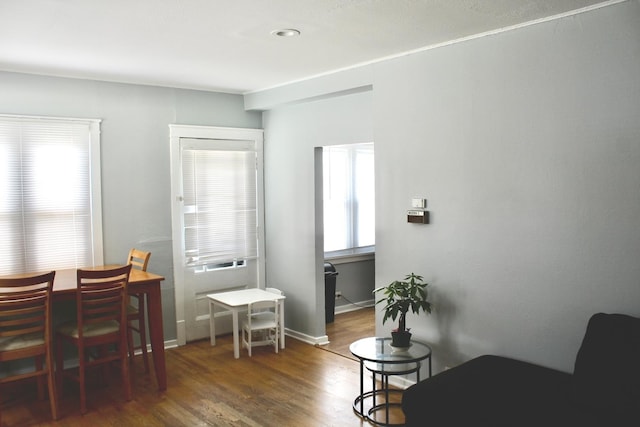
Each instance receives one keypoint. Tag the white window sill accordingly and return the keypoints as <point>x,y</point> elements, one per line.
<point>350,255</point>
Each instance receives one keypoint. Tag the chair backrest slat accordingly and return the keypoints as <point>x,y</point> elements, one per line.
<point>139,259</point>
<point>25,305</point>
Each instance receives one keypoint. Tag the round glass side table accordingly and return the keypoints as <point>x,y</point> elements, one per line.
<point>378,357</point>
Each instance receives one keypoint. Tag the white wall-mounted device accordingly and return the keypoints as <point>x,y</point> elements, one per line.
<point>418,203</point>
<point>419,214</point>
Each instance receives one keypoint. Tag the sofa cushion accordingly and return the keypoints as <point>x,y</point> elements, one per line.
<point>607,368</point>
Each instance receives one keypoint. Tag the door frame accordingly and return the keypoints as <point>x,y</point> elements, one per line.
<point>177,132</point>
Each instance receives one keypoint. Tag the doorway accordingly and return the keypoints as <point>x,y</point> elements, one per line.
<point>347,206</point>
<point>217,219</point>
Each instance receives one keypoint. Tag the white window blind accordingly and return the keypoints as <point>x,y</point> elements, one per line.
<point>220,199</point>
<point>349,197</point>
<point>46,209</point>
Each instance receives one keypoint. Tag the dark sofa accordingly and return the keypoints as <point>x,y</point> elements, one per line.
<point>495,391</point>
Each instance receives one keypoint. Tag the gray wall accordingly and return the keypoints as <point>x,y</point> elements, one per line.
<point>526,145</point>
<point>356,280</point>
<point>294,249</point>
<point>135,153</point>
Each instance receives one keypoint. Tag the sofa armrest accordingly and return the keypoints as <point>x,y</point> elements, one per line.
<point>492,391</point>
<point>606,377</point>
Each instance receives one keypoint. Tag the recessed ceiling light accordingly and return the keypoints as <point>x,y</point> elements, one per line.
<point>286,32</point>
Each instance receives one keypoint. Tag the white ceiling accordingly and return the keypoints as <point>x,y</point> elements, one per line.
<point>226,45</point>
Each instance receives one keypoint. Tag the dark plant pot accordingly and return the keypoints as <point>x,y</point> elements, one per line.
<point>401,339</point>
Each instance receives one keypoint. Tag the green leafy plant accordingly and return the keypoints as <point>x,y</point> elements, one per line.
<point>400,296</point>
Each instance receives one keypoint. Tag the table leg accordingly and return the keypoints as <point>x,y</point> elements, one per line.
<point>212,323</point>
<point>154,313</point>
<point>385,384</point>
<point>236,338</point>
<point>373,387</point>
<point>361,387</point>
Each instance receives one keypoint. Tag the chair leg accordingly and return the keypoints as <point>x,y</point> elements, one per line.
<point>142,326</point>
<point>275,339</point>
<point>59,364</point>
<point>246,340</point>
<point>142,332</point>
<point>126,379</point>
<point>130,340</point>
<point>81,380</point>
<point>38,363</point>
<point>53,395</point>
<point>249,340</point>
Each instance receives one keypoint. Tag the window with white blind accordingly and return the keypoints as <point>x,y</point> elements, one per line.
<point>219,191</point>
<point>50,216</point>
<point>349,199</point>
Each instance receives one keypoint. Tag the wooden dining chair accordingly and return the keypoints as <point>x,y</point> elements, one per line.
<point>261,326</point>
<point>101,323</point>
<point>136,310</point>
<point>25,330</point>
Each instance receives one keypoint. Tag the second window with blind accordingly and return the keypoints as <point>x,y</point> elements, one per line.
<point>349,199</point>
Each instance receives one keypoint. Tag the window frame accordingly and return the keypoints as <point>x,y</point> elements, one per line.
<point>95,186</point>
<point>352,212</point>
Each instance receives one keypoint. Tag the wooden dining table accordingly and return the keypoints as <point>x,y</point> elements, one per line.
<point>140,282</point>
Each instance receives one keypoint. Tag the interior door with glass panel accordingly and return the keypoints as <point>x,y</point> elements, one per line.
<point>217,224</point>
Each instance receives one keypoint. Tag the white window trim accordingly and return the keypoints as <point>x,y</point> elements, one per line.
<point>351,255</point>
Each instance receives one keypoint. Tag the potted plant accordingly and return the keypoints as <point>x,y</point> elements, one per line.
<point>399,297</point>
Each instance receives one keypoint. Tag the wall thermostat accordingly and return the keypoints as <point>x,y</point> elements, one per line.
<point>418,216</point>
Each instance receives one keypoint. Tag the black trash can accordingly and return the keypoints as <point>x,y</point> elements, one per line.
<point>330,274</point>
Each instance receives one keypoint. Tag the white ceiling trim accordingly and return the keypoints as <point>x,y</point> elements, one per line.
<point>447,43</point>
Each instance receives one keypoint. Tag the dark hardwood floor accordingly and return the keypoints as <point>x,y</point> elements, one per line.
<point>302,385</point>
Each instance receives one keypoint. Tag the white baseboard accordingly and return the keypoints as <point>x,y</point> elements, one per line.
<point>345,308</point>
<point>181,330</point>
<point>400,382</point>
<point>167,345</point>
<point>322,340</point>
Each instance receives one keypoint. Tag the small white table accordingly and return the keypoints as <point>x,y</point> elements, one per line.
<point>235,301</point>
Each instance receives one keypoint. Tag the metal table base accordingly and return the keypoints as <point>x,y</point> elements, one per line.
<point>373,356</point>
